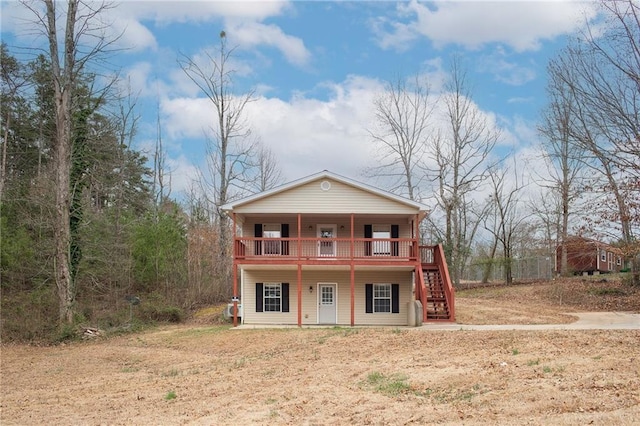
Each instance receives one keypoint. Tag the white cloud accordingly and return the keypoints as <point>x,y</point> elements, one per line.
<point>513,73</point>
<point>182,174</point>
<point>133,36</point>
<point>164,12</point>
<point>252,34</point>
<point>523,25</point>
<point>241,21</point>
<point>186,117</point>
<point>306,134</point>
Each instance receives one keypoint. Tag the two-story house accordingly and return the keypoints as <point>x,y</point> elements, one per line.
<point>326,249</point>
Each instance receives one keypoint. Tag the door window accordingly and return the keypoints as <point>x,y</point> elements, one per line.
<point>272,230</point>
<point>382,232</point>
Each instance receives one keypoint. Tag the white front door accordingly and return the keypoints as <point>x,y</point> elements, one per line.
<point>327,248</point>
<point>327,295</point>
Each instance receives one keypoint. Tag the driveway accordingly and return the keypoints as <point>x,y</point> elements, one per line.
<point>585,321</point>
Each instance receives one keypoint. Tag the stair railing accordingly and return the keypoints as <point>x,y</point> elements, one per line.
<point>441,261</point>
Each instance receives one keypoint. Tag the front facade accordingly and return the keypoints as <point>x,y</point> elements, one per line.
<point>328,250</point>
<point>588,256</point>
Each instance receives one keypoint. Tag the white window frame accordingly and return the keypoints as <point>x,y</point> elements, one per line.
<point>268,288</point>
<point>603,257</point>
<point>381,232</point>
<point>619,261</point>
<point>377,289</point>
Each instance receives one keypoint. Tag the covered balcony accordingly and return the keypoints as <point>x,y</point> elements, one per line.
<point>322,249</point>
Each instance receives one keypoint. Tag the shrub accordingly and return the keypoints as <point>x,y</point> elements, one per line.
<point>156,308</point>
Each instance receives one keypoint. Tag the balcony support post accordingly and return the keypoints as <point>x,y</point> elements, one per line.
<point>299,294</point>
<point>353,276</point>
<point>235,277</point>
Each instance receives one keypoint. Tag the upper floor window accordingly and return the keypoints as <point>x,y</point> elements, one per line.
<point>604,255</point>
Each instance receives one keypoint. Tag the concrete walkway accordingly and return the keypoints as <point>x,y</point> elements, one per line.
<point>586,321</point>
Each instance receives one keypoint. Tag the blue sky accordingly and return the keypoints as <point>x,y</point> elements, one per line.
<point>317,66</point>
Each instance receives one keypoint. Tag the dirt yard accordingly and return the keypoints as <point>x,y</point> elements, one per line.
<point>207,374</point>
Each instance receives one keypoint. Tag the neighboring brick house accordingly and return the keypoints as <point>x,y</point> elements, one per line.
<point>326,249</point>
<point>588,256</point>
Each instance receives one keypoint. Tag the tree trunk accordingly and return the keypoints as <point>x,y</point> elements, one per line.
<point>62,232</point>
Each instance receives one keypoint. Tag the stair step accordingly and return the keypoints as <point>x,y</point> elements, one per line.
<point>436,307</point>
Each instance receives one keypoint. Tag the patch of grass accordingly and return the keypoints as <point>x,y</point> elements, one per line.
<point>391,385</point>
<point>533,362</point>
<point>337,331</point>
<point>269,373</point>
<point>239,362</point>
<point>170,395</point>
<point>450,395</point>
<point>607,291</point>
<point>558,369</point>
<point>129,370</point>
<point>201,331</point>
<point>171,373</point>
<point>515,351</point>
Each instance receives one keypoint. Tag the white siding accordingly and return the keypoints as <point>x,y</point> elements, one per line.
<point>310,302</point>
<point>340,198</point>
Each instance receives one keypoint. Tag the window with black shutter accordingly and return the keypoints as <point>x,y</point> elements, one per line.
<point>272,297</point>
<point>382,298</point>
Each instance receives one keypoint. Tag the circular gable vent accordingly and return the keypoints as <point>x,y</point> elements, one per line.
<point>325,185</point>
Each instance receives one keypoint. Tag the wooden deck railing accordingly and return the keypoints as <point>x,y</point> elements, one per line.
<point>325,248</point>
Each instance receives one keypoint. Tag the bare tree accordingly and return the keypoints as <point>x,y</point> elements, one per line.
<point>82,41</point>
<point>161,188</point>
<point>462,154</point>
<point>12,79</point>
<point>268,174</point>
<point>564,158</point>
<point>602,71</point>
<point>403,118</point>
<point>230,149</point>
<point>506,216</point>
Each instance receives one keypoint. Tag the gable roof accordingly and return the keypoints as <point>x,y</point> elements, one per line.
<point>330,175</point>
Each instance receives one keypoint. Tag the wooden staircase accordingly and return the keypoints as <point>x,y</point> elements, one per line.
<point>434,287</point>
<point>437,307</point>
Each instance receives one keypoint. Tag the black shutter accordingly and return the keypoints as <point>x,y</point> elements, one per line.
<point>284,233</point>
<point>257,232</point>
<point>259,294</point>
<point>285,297</point>
<point>368,233</point>
<point>395,298</point>
<point>395,233</point>
<point>369,298</point>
